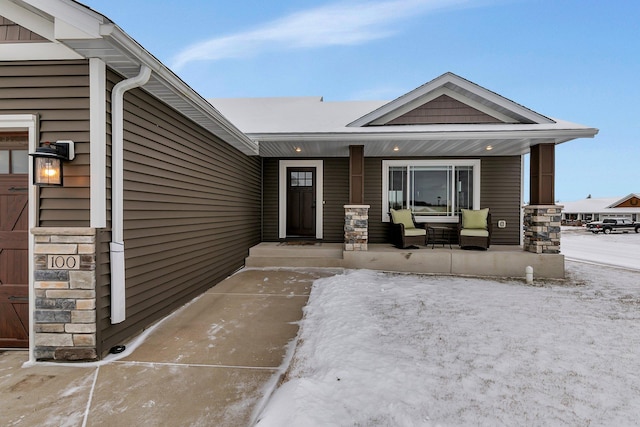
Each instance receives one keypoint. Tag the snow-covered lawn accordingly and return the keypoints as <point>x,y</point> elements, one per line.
<point>622,249</point>
<point>380,349</point>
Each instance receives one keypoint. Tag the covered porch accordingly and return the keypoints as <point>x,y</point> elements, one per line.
<point>497,261</point>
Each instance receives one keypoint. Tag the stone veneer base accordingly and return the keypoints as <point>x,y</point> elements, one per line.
<point>542,228</point>
<point>356,227</point>
<point>65,294</point>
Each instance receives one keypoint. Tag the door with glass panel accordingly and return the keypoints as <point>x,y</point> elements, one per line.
<point>301,202</point>
<point>14,241</point>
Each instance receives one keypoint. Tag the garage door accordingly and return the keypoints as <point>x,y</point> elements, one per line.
<point>14,241</point>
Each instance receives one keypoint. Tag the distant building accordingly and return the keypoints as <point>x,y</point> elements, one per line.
<point>591,209</point>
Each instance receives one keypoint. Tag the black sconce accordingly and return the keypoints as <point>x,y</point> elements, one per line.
<point>47,162</point>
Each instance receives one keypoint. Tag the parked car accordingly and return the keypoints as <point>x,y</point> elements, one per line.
<point>609,225</point>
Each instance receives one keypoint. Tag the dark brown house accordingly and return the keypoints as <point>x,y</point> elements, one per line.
<point>165,194</point>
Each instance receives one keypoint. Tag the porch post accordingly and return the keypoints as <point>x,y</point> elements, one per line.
<point>356,174</point>
<point>542,174</point>
<point>542,218</point>
<point>356,214</point>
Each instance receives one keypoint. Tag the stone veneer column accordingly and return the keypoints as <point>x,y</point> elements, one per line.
<point>65,293</point>
<point>356,227</point>
<point>542,229</point>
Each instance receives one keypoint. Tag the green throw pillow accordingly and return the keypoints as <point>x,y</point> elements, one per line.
<point>402,217</point>
<point>475,219</point>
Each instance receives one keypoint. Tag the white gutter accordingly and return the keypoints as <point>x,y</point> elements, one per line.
<point>118,296</point>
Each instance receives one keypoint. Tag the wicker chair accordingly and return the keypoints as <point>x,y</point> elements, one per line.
<point>474,229</point>
<point>406,232</point>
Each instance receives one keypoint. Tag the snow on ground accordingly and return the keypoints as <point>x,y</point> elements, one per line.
<point>620,249</point>
<point>380,349</point>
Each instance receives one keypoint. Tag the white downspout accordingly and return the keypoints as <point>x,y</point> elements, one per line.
<point>118,297</point>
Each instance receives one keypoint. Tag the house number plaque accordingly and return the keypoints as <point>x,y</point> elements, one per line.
<point>63,262</point>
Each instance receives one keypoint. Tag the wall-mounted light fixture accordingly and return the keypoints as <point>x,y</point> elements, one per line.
<point>47,162</point>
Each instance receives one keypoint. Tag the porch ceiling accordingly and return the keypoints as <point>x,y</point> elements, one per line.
<point>446,144</point>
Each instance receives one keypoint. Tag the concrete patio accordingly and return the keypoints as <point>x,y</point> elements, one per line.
<point>497,261</point>
<point>211,363</point>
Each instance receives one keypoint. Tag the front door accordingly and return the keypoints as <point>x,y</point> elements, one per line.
<point>301,202</point>
<point>14,241</point>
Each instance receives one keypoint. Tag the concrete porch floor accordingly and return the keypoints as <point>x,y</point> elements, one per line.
<point>497,261</point>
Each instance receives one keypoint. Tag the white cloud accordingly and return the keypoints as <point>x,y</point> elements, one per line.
<point>346,23</point>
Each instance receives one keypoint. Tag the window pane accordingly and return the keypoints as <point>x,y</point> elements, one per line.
<point>19,161</point>
<point>431,190</point>
<point>308,179</point>
<point>4,161</point>
<point>464,187</point>
<point>397,184</point>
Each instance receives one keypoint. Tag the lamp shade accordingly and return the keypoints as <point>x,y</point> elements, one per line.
<point>47,171</point>
<point>47,162</point>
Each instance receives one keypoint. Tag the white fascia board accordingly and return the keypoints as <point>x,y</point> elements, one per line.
<point>29,20</point>
<point>547,134</point>
<point>36,51</point>
<point>127,44</point>
<point>498,99</point>
<point>72,20</point>
<point>441,81</point>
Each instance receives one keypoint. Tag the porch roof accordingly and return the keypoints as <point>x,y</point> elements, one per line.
<point>311,127</point>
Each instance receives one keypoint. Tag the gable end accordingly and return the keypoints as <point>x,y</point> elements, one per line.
<point>443,110</point>
<point>10,32</point>
<point>631,202</point>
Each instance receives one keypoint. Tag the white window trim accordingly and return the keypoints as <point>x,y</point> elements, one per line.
<point>458,162</point>
<point>282,194</point>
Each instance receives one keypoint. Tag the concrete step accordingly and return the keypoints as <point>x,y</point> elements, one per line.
<point>277,250</point>
<point>307,262</point>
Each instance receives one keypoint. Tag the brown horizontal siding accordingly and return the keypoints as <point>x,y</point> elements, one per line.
<point>103,274</point>
<point>270,199</point>
<point>443,110</point>
<point>501,193</point>
<point>192,209</point>
<point>378,230</point>
<point>58,91</point>
<point>336,195</point>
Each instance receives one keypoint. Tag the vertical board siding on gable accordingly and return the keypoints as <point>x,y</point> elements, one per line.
<point>58,91</point>
<point>336,195</point>
<point>10,32</point>
<point>443,109</point>
<point>192,210</point>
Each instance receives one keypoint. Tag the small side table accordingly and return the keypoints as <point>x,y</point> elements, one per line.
<point>439,235</point>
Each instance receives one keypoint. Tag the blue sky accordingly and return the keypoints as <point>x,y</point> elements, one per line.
<point>578,60</point>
